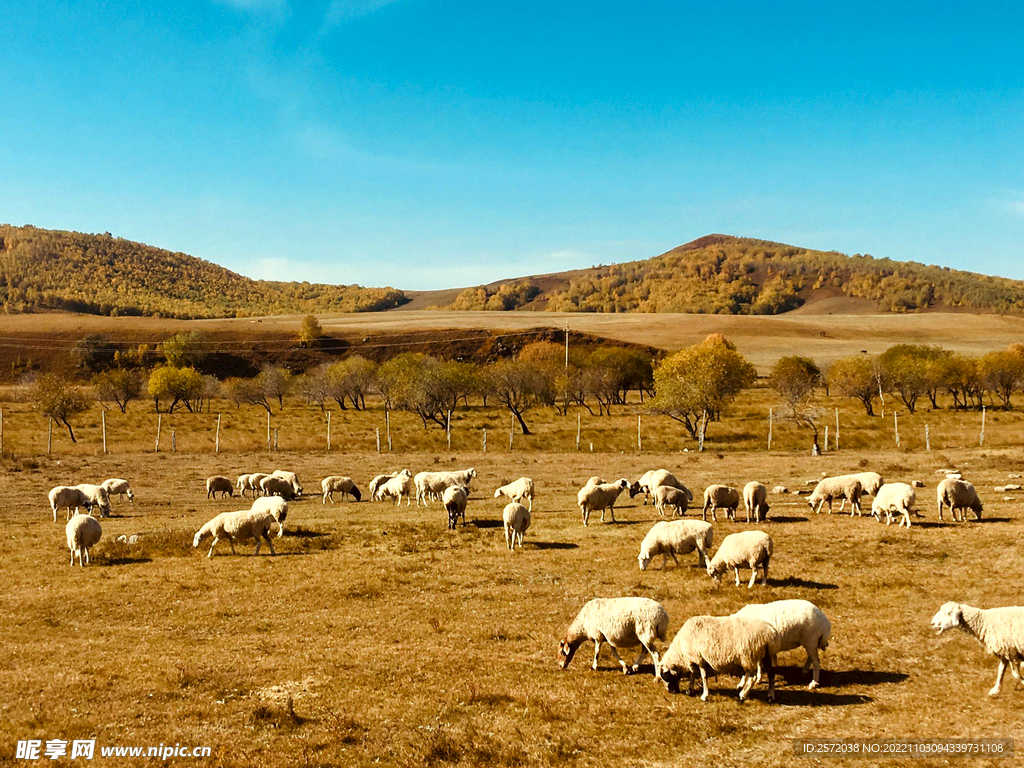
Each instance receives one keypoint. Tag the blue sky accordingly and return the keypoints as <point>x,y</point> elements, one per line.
<point>432,144</point>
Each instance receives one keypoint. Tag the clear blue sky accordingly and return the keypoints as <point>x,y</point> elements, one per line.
<point>431,144</point>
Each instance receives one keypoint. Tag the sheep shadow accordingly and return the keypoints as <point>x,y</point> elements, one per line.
<point>782,519</point>
<point>127,560</point>
<point>801,697</point>
<point>860,677</point>
<point>487,523</point>
<point>794,581</point>
<point>554,545</point>
<point>303,533</point>
<point>992,520</point>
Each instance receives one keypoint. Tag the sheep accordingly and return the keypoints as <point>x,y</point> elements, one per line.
<point>276,506</point>
<point>898,498</point>
<point>602,496</point>
<point>98,497</point>
<point>755,499</point>
<point>870,483</point>
<point>272,485</point>
<point>676,537</point>
<point>800,623</point>
<point>82,533</point>
<point>959,496</point>
<point>252,482</point>
<point>656,478</point>
<point>291,478</point>
<point>999,630</point>
<point>116,485</point>
<point>242,484</point>
<point>454,500</point>
<point>65,496</point>
<point>243,524</point>
<point>622,622</point>
<point>735,645</point>
<point>720,497</point>
<point>339,484</point>
<point>843,486</point>
<point>432,484</point>
<point>750,549</point>
<point>515,520</point>
<point>517,490</point>
<point>377,482</point>
<point>398,486</point>
<point>219,484</point>
<point>669,496</point>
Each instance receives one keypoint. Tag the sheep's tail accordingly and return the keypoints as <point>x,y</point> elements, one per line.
<point>823,643</point>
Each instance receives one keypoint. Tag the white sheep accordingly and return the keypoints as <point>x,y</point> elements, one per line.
<point>339,484</point>
<point>97,496</point>
<point>999,630</point>
<point>670,496</point>
<point>653,479</point>
<point>800,624</point>
<point>517,490</point>
<point>894,498</point>
<point>219,484</point>
<point>398,486</point>
<point>272,485</point>
<point>755,500</point>
<point>847,487</point>
<point>959,496</point>
<point>749,549</point>
<point>252,482</point>
<point>68,497</point>
<point>242,484</point>
<point>621,622</point>
<point>243,524</point>
<point>454,500</point>
<point>599,497</point>
<point>82,532</point>
<point>432,484</point>
<point>732,645</point>
<point>121,488</point>
<point>720,497</point>
<point>515,520</point>
<point>291,478</point>
<point>276,506</point>
<point>377,482</point>
<point>676,537</point>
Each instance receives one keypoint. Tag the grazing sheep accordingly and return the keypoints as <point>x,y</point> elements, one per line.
<point>755,499</point>
<point>780,489</point>
<point>847,487</point>
<point>517,490</point>
<point>676,537</point>
<point>720,497</point>
<point>242,484</point>
<point>670,496</point>
<point>377,482</point>
<point>959,496</point>
<point>82,533</point>
<point>749,549</point>
<point>656,478</point>
<point>732,645</point>
<point>219,484</point>
<point>398,486</point>
<point>454,500</point>
<point>243,524</point>
<point>432,484</point>
<point>599,497</point>
<point>69,497</point>
<point>894,498</point>
<point>272,485</point>
<point>121,488</point>
<point>515,519</point>
<point>97,495</point>
<point>291,478</point>
<point>339,484</point>
<point>800,624</point>
<point>252,482</point>
<point>999,630</point>
<point>622,622</point>
<point>276,506</point>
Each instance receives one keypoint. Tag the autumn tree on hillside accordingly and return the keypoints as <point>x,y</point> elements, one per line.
<point>520,385</point>
<point>855,377</point>
<point>1002,374</point>
<point>57,398</point>
<point>179,385</point>
<point>310,331</point>
<point>185,349</point>
<point>118,386</point>
<point>352,378</point>
<point>795,380</point>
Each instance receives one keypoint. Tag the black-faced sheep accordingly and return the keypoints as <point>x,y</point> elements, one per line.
<point>339,484</point>
<point>219,484</point>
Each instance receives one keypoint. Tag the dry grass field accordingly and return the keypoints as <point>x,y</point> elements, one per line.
<point>401,643</point>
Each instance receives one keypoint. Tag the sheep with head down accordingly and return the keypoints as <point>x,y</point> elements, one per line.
<point>252,524</point>
<point>517,490</point>
<point>621,622</point>
<point>960,496</point>
<point>746,549</point>
<point>669,538</point>
<point>82,533</point>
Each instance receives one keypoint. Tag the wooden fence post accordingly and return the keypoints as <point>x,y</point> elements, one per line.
<point>1,431</point>
<point>896,427</point>
<point>639,439</point>
<point>49,435</point>
<point>826,438</point>
<point>328,431</point>
<point>511,431</point>
<point>387,424</point>
<point>103,422</point>
<point>485,440</point>
<point>703,429</point>
<point>159,424</point>
<point>771,422</point>
<point>448,430</point>
<point>981,438</point>
<point>579,418</point>
<point>927,438</point>
<point>269,444</point>
<point>275,439</point>
<point>174,442</point>
<point>377,430</point>
<point>216,442</point>
<point>837,429</point>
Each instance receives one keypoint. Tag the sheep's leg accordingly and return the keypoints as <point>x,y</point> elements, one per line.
<point>737,576</point>
<point>748,683</point>
<point>257,540</point>
<point>999,678</point>
<point>753,578</point>
<point>622,664</point>
<point>508,540</point>
<point>231,541</point>
<point>269,542</point>
<point>764,573</point>
<point>689,690</point>
<point>597,652</point>
<point>674,558</point>
<point>704,513</point>
<point>769,668</point>
<point>86,555</point>
<point>813,660</point>
<point>611,512</point>
<point>704,682</point>
<point>212,545</point>
<point>842,506</point>
<point>664,560</point>
<point>940,511</point>
<point>640,657</point>
<point>72,557</point>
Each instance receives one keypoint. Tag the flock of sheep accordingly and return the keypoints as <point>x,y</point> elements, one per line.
<point>744,644</point>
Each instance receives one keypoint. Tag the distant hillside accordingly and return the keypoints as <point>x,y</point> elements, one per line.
<point>99,274</point>
<point>720,274</point>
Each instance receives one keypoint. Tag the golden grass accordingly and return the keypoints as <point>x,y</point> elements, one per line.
<point>398,642</point>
